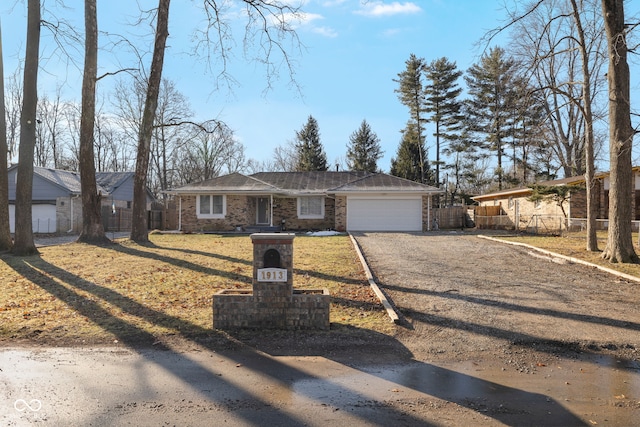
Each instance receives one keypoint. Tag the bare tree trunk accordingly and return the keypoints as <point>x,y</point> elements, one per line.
<point>619,241</point>
<point>24,244</point>
<point>92,229</point>
<point>139,229</point>
<point>5,231</point>
<point>592,196</point>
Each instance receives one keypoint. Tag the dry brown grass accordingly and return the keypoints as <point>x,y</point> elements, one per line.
<point>77,293</point>
<point>573,244</point>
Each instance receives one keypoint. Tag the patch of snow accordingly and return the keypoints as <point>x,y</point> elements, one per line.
<point>323,233</point>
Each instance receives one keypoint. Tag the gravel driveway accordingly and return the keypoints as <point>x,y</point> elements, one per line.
<point>463,296</point>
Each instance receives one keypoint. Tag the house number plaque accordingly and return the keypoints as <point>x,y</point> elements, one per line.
<point>272,275</point>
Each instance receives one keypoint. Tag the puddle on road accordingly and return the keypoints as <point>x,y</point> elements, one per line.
<point>600,391</point>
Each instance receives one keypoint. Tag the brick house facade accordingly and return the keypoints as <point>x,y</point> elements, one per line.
<point>296,201</point>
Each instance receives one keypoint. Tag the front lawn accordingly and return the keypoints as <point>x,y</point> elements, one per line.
<point>77,294</point>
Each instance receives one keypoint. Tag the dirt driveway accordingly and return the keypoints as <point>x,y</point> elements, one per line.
<point>465,297</point>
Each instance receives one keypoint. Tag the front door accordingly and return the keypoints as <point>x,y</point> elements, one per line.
<point>263,207</point>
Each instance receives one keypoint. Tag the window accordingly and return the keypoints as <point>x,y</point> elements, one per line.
<point>510,203</point>
<point>211,206</point>
<point>311,207</point>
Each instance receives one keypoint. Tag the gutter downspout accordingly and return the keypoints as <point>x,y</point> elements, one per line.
<point>270,210</point>
<point>180,213</point>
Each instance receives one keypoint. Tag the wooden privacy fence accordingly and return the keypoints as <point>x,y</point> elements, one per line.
<point>492,218</point>
<point>451,217</point>
<point>120,220</point>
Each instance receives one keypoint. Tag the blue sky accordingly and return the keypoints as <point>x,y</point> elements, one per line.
<point>353,50</point>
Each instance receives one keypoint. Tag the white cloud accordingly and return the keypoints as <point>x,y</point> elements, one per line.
<point>331,3</point>
<point>380,8</point>
<point>298,19</point>
<point>325,31</point>
<point>304,20</point>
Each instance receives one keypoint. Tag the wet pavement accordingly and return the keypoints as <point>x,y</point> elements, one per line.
<point>200,387</point>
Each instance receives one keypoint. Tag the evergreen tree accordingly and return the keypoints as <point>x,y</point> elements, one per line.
<point>491,84</point>
<point>408,162</point>
<point>363,150</point>
<point>442,103</point>
<point>411,93</point>
<point>311,156</point>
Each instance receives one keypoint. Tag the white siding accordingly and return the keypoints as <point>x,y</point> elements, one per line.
<point>384,213</point>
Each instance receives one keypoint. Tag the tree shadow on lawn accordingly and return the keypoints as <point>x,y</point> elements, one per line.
<point>450,385</point>
<point>187,264</point>
<point>181,262</point>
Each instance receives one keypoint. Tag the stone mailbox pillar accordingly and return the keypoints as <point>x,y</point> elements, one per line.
<point>273,303</point>
<point>273,267</point>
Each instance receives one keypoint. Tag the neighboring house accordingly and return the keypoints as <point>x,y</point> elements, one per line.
<point>342,201</point>
<point>56,202</point>
<point>520,213</point>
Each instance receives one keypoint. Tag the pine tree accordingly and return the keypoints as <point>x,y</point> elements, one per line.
<point>442,102</point>
<point>311,156</point>
<point>363,150</point>
<point>408,162</point>
<point>491,84</point>
<point>411,93</point>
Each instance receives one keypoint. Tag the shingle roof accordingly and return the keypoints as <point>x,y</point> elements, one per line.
<point>519,191</point>
<point>384,182</point>
<point>110,181</point>
<point>235,182</point>
<point>306,183</point>
<point>69,181</point>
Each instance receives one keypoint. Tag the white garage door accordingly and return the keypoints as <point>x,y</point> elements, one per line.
<point>43,216</point>
<point>384,214</point>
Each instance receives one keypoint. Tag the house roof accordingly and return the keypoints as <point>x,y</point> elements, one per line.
<point>69,181</point>
<point>523,191</point>
<point>298,183</point>
<point>232,183</point>
<point>111,181</point>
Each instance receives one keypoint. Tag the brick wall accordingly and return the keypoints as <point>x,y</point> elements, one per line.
<point>287,209</point>
<point>64,222</point>
<point>240,211</point>
<point>341,213</point>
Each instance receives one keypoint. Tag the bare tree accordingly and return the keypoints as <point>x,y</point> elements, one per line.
<point>13,105</point>
<point>267,26</point>
<point>139,230</point>
<point>170,135</point>
<point>92,228</point>
<point>548,43</point>
<point>50,131</point>
<point>583,38</point>
<point>619,241</point>
<point>5,231</point>
<point>285,157</point>
<point>24,244</point>
<point>211,151</point>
